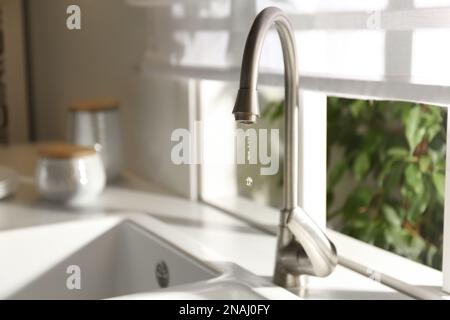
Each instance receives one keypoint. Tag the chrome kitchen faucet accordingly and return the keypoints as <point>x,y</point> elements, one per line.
<point>303,248</point>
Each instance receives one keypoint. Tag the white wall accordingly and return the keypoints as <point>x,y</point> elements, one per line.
<point>96,61</point>
<point>101,60</point>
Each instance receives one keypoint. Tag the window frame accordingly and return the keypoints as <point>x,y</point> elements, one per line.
<point>378,264</point>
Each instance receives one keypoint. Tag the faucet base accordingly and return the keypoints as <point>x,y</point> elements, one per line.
<point>298,285</point>
<point>294,238</point>
<point>285,279</point>
<point>286,257</point>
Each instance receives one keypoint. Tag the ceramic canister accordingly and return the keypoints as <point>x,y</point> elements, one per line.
<point>97,123</point>
<point>69,174</point>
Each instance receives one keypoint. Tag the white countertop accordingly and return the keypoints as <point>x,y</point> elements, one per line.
<point>233,239</point>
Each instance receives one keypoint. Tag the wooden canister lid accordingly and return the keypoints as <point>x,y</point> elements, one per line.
<point>94,105</point>
<point>64,151</point>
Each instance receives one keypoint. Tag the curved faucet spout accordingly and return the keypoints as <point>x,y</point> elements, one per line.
<point>246,109</point>
<point>297,229</point>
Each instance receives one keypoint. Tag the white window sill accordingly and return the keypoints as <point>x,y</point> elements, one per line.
<point>404,275</point>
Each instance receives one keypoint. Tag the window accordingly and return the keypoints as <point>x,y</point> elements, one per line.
<point>386,175</point>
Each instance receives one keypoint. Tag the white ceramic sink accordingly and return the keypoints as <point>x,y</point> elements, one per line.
<point>130,256</point>
<point>121,261</point>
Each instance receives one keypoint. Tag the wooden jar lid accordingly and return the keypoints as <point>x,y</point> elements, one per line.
<point>94,105</point>
<point>64,151</point>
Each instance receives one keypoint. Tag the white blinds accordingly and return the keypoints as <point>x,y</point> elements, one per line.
<point>402,43</point>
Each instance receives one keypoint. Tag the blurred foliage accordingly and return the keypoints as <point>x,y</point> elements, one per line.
<point>389,157</point>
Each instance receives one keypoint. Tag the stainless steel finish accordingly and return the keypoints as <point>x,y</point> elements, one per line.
<point>103,131</point>
<point>302,246</point>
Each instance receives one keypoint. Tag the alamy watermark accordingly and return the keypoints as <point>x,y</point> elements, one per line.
<point>252,146</point>
<point>373,275</point>
<point>373,21</point>
<point>73,281</point>
<point>73,21</point>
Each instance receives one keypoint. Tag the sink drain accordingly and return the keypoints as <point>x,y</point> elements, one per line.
<point>162,274</point>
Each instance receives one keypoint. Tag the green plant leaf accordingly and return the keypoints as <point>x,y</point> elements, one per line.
<point>361,165</point>
<point>431,253</point>
<point>414,134</point>
<point>424,163</point>
<point>435,156</point>
<point>278,112</point>
<point>433,130</point>
<point>336,173</point>
<point>413,178</point>
<point>418,205</point>
<point>357,107</point>
<point>371,142</point>
<point>411,123</point>
<point>273,110</point>
<point>357,201</point>
<point>400,240</point>
<point>398,152</point>
<point>268,109</point>
<point>391,216</point>
<point>417,246</point>
<point>439,183</point>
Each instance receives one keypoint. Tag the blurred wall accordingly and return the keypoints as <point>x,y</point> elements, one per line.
<point>13,74</point>
<point>101,60</point>
<point>95,61</point>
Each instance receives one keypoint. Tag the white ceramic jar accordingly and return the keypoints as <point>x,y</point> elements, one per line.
<point>96,123</point>
<point>9,182</point>
<point>69,174</point>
